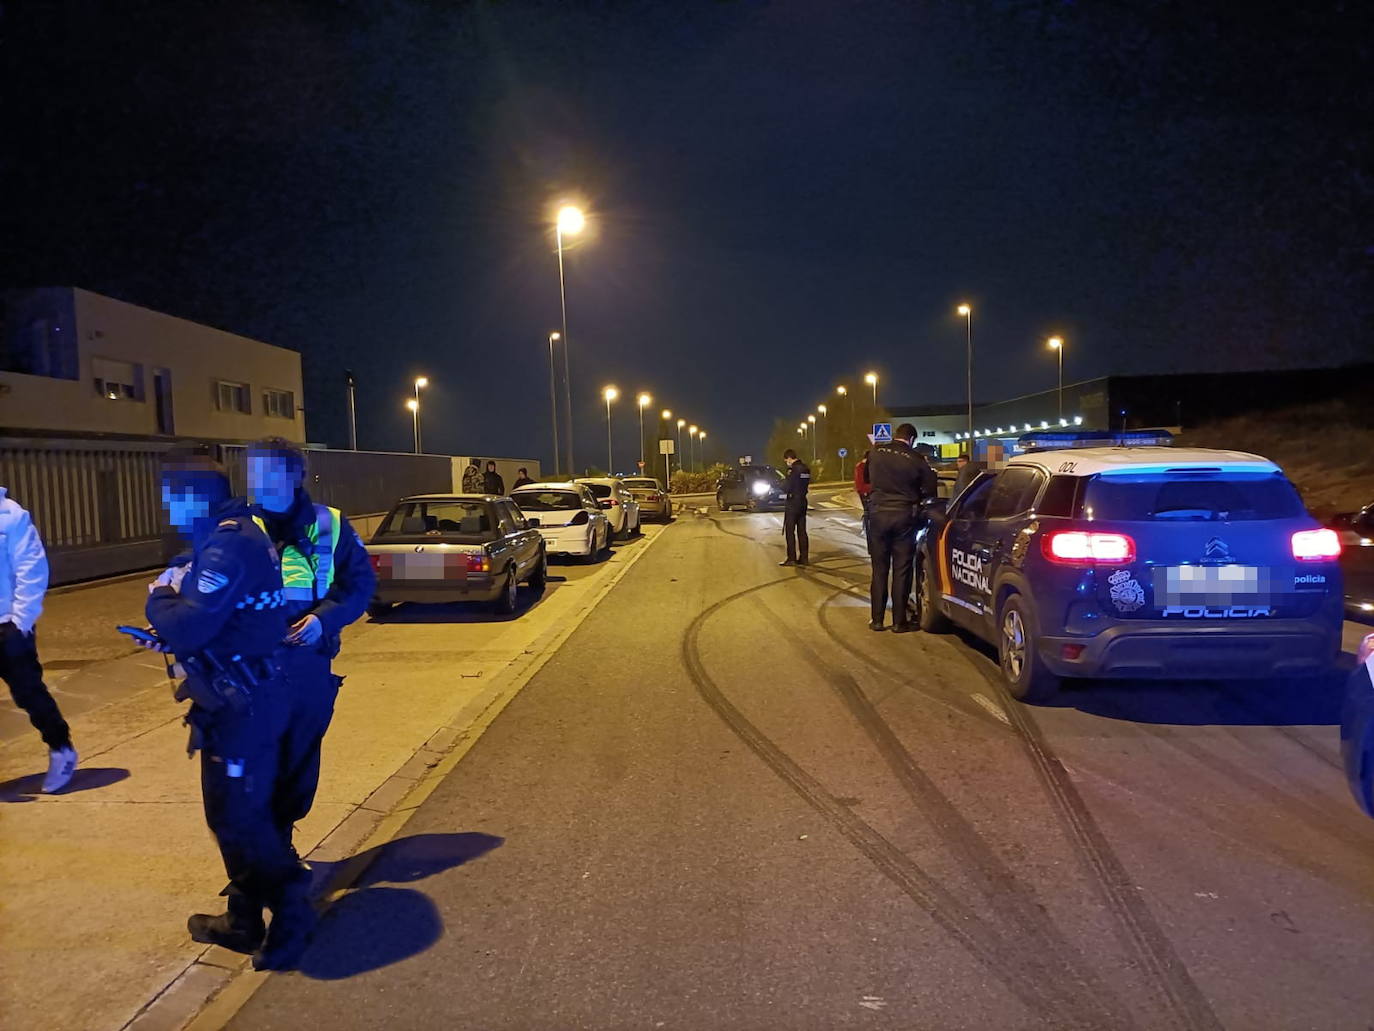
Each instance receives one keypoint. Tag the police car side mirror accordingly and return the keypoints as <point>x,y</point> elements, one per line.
<point>935,506</point>
<point>531,522</point>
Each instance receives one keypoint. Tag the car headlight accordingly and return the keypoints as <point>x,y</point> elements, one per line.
<point>760,488</point>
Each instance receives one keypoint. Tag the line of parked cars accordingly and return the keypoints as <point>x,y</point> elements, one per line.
<point>480,547</point>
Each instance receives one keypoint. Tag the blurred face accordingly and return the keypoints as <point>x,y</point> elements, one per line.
<point>185,507</point>
<point>491,467</point>
<point>963,461</point>
<point>271,481</point>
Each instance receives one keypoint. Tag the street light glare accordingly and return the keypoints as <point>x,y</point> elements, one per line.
<point>1055,343</point>
<point>842,391</point>
<point>644,400</point>
<point>555,336</point>
<point>810,418</point>
<point>666,415</point>
<point>681,423</point>
<point>610,394</point>
<point>871,378</point>
<point>822,409</point>
<point>412,404</point>
<point>422,381</point>
<point>965,309</point>
<point>570,220</point>
<point>692,430</point>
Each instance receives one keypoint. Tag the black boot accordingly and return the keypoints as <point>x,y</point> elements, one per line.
<point>293,921</point>
<point>241,929</point>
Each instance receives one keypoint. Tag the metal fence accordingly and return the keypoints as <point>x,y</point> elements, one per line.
<point>98,503</point>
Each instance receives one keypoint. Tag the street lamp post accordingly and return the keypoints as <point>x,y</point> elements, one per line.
<point>812,420</point>
<point>643,399</point>
<point>872,380</point>
<point>701,449</point>
<point>680,423</point>
<point>553,396</point>
<point>692,432</point>
<point>420,383</point>
<point>569,223</point>
<point>610,394</point>
<point>966,310</point>
<point>414,405</point>
<point>666,416</point>
<point>1057,344</point>
<point>352,409</point>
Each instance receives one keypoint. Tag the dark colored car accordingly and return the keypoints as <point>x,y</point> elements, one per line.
<point>443,547</point>
<point>1149,562</point>
<point>1356,530</point>
<point>756,488</point>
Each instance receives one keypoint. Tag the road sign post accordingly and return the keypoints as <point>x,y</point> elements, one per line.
<point>666,448</point>
<point>844,453</point>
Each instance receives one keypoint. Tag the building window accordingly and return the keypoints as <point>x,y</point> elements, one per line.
<point>281,403</point>
<point>233,397</point>
<point>116,380</point>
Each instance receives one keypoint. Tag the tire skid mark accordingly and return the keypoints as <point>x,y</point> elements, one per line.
<point>1137,928</point>
<point>983,942</point>
<point>1060,962</point>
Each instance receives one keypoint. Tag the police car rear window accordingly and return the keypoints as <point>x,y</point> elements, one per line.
<point>1191,497</point>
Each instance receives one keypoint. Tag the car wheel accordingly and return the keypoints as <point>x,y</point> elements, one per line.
<point>539,579</point>
<point>378,609</point>
<point>928,613</point>
<point>505,603</point>
<point>639,526</point>
<point>1023,672</point>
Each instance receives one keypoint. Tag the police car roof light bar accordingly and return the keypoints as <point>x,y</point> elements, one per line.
<point>1061,440</point>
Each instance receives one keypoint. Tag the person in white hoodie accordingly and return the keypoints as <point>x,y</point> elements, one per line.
<point>23,582</point>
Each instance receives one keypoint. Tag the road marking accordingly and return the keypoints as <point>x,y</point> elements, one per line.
<point>873,1002</point>
<point>992,707</point>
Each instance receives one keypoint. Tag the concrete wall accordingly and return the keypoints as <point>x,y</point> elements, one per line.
<point>196,357</point>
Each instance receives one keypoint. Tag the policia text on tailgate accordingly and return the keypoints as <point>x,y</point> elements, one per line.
<point>1084,560</point>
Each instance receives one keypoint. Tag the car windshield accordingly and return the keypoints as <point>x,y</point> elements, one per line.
<point>601,490</point>
<point>761,472</point>
<point>642,483</point>
<point>1203,496</point>
<point>431,518</point>
<point>547,500</point>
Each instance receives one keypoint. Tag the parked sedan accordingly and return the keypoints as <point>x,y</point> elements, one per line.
<point>653,500</point>
<point>570,518</point>
<point>1356,530</point>
<point>456,547</point>
<point>619,504</point>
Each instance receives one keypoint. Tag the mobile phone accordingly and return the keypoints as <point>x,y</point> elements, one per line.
<point>139,634</point>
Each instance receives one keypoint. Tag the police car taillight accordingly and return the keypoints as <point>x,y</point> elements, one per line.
<point>1316,545</point>
<point>1080,548</point>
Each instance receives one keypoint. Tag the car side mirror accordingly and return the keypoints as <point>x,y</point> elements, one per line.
<point>531,522</point>
<point>935,507</point>
<point>606,503</point>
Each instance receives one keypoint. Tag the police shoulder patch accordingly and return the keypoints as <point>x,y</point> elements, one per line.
<point>211,580</point>
<point>229,524</point>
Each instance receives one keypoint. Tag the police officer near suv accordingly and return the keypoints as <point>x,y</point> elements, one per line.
<point>901,479</point>
<point>224,618</point>
<point>794,511</point>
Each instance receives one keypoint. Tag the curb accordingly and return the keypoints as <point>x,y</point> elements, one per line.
<point>210,991</point>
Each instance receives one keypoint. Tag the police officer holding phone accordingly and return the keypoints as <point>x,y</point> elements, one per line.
<point>225,622</point>
<point>794,511</point>
<point>901,479</point>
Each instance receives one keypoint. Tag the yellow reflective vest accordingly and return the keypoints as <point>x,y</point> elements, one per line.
<point>307,577</point>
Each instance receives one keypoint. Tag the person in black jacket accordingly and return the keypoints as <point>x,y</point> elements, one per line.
<point>522,480</point>
<point>901,478</point>
<point>492,482</point>
<point>224,617</point>
<point>794,511</point>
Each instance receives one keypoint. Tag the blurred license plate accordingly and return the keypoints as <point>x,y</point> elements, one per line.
<point>420,567</point>
<point>1212,585</point>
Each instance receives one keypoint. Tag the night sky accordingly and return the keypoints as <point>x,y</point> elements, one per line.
<point>782,194</point>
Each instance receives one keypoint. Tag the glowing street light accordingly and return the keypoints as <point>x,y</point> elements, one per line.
<point>642,400</point>
<point>692,432</point>
<point>569,222</point>
<point>701,449</point>
<point>610,394</point>
<point>420,383</point>
<point>966,310</point>
<point>1057,344</point>
<point>413,403</point>
<point>871,379</point>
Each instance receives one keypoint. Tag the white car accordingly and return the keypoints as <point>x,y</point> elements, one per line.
<point>619,503</point>
<point>571,519</point>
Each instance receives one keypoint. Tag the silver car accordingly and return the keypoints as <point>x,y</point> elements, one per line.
<point>654,501</point>
<point>456,547</point>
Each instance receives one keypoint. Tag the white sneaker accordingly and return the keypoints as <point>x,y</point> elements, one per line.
<point>61,767</point>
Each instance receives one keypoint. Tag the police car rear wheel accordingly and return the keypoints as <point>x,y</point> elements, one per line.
<point>928,614</point>
<point>1025,675</point>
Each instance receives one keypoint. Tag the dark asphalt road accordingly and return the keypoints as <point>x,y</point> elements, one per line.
<point>726,804</point>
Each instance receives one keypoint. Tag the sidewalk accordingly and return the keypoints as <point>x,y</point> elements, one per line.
<point>96,883</point>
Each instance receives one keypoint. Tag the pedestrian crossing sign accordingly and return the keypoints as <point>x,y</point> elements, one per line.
<point>882,433</point>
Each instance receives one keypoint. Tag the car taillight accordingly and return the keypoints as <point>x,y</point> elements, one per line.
<point>580,519</point>
<point>478,563</point>
<point>1316,545</point>
<point>381,565</point>
<point>1078,547</point>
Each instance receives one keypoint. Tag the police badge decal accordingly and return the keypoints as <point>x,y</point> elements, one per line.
<point>1126,593</point>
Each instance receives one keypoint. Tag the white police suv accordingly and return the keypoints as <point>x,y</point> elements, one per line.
<point>1101,555</point>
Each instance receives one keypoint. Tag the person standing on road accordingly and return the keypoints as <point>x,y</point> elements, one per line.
<point>23,583</point>
<point>901,478</point>
<point>327,581</point>
<point>794,511</point>
<point>523,479</point>
<point>492,482</point>
<point>863,488</point>
<point>224,620</point>
<point>472,479</point>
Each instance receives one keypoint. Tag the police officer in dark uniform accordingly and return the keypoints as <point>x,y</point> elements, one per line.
<point>794,511</point>
<point>901,478</point>
<point>225,622</point>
